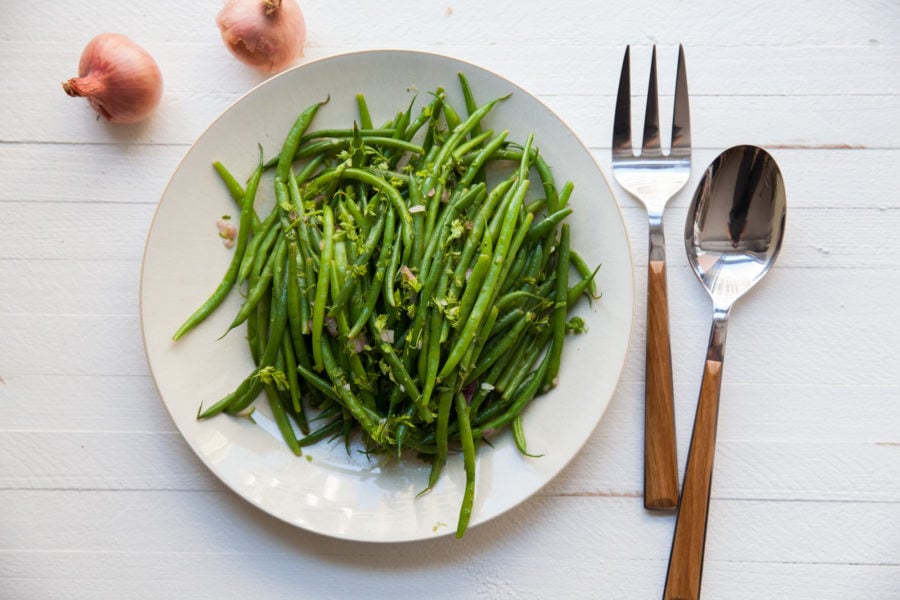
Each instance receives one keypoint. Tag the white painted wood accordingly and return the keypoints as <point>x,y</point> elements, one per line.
<point>102,499</point>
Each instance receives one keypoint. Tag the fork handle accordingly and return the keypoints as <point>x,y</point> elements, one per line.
<point>660,462</point>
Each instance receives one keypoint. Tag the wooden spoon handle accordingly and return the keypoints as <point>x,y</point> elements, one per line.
<point>660,463</point>
<point>686,560</point>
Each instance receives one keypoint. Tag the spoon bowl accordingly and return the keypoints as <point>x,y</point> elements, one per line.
<point>735,223</point>
<point>733,235</point>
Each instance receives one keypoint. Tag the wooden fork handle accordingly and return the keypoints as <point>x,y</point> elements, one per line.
<point>660,463</point>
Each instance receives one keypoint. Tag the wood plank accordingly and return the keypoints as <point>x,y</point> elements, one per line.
<point>767,70</point>
<point>104,173</point>
<point>98,287</point>
<point>842,104</point>
<point>754,468</point>
<point>775,532</point>
<point>82,403</point>
<point>139,576</point>
<point>826,121</point>
<point>73,343</point>
<point>85,173</point>
<point>108,231</point>
<point>504,23</point>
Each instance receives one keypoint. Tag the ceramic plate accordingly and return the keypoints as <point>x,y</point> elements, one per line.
<point>327,491</point>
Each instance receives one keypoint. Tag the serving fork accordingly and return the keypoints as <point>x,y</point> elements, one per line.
<point>654,177</point>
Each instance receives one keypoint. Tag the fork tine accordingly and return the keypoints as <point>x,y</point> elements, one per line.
<point>621,142</point>
<point>651,117</point>
<point>681,114</point>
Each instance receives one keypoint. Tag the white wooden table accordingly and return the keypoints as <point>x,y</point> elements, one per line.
<point>100,497</point>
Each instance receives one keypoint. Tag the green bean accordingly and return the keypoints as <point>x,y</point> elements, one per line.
<point>479,272</point>
<point>365,132</point>
<point>470,145</point>
<point>564,194</point>
<point>433,348</point>
<point>442,422</point>
<point>469,99</point>
<point>290,370</point>
<point>514,260</point>
<point>392,194</point>
<point>547,181</point>
<point>391,273</point>
<point>519,435</point>
<point>407,384</point>
<point>582,287</point>
<point>474,352</point>
<point>234,187</point>
<point>264,238</point>
<point>231,274</point>
<point>320,434</point>
<point>322,285</point>
<point>292,141</point>
<point>547,224</point>
<point>517,371</point>
<point>281,420</point>
<point>435,196</point>
<point>357,370</point>
<point>317,382</point>
<point>366,417</point>
<point>432,250</point>
<point>456,137</point>
<point>365,119</point>
<point>535,205</point>
<point>527,157</point>
<point>377,285</point>
<point>515,299</point>
<point>558,320</point>
<point>343,294</point>
<point>236,190</point>
<point>500,348</point>
<point>492,230</point>
<point>577,261</point>
<point>507,320</point>
<point>522,396</point>
<point>543,169</point>
<point>298,304</point>
<point>532,271</point>
<point>424,115</point>
<point>479,225</point>
<point>262,285</point>
<point>244,395</point>
<point>467,442</point>
<point>363,222</point>
<point>491,281</point>
<point>481,157</point>
<point>453,119</point>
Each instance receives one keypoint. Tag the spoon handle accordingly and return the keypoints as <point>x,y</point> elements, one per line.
<point>660,463</point>
<point>689,542</point>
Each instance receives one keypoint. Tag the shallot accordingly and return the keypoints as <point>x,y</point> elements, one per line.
<point>266,34</point>
<point>120,79</point>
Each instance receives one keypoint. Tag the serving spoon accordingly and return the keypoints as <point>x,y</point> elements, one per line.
<point>732,235</point>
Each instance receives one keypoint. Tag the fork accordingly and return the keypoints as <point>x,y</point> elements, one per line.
<point>654,178</point>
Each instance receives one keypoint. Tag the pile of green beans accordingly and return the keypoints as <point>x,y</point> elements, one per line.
<point>405,288</point>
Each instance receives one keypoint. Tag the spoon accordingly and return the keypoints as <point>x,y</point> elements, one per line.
<point>733,234</point>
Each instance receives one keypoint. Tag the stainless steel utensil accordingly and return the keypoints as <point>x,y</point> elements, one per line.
<point>654,178</point>
<point>733,234</point>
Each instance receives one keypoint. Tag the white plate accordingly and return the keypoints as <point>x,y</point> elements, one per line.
<point>329,492</point>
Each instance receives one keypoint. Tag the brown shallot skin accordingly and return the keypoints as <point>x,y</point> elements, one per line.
<point>266,34</point>
<point>120,79</point>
